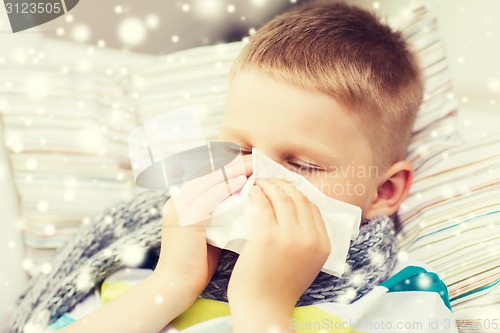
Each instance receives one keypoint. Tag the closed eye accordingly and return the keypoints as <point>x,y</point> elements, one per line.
<point>305,167</point>
<point>237,149</point>
<point>298,166</point>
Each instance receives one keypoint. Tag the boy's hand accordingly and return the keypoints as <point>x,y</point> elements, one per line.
<point>185,257</point>
<point>287,249</point>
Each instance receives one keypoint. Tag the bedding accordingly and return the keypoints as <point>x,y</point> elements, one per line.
<point>388,307</point>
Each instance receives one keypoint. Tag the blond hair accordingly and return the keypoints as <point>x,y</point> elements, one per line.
<point>344,51</point>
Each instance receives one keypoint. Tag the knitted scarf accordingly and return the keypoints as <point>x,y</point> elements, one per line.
<point>97,251</point>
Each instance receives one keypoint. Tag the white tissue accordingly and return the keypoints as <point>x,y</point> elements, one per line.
<point>231,223</point>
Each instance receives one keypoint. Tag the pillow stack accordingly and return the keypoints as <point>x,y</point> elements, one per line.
<point>451,220</point>
<point>66,134</point>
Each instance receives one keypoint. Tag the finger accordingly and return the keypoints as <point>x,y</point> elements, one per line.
<point>199,212</point>
<point>319,222</point>
<point>262,210</point>
<point>240,165</point>
<point>243,163</point>
<point>248,164</point>
<point>283,206</point>
<point>207,201</point>
<point>194,188</point>
<point>303,209</point>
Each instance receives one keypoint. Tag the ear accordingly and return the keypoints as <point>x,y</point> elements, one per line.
<point>392,190</point>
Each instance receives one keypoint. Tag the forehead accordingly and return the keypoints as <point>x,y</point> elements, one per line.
<point>264,110</point>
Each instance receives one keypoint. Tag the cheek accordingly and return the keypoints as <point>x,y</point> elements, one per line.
<point>352,191</point>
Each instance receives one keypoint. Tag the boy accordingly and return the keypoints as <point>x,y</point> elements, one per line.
<point>322,89</point>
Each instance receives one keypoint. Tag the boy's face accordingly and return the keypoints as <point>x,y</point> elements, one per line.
<point>307,132</point>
